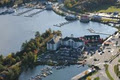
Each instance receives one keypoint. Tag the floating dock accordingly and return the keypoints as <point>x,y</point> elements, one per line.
<point>92,31</point>
<point>62,24</point>
<point>31,15</point>
<point>25,12</point>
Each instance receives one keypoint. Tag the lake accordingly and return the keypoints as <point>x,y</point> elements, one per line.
<point>14,30</point>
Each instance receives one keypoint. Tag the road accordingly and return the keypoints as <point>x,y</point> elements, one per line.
<point>109,51</point>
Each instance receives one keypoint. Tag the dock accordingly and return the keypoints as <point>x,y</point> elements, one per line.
<point>62,24</point>
<point>25,12</point>
<point>92,31</point>
<point>83,74</point>
<point>31,15</point>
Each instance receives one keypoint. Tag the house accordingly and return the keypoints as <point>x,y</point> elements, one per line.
<point>92,39</point>
<point>72,42</point>
<point>54,43</point>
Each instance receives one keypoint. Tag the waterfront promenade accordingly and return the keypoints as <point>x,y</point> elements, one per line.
<point>81,75</point>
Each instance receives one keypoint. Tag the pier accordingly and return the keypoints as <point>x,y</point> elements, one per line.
<point>25,12</point>
<point>92,31</point>
<point>62,24</point>
<point>31,15</point>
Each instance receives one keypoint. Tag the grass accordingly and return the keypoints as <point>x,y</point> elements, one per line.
<point>107,72</point>
<point>97,78</point>
<point>116,70</point>
<point>106,8</point>
<point>108,20</point>
<point>110,9</point>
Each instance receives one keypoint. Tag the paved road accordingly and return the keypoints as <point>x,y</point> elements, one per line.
<point>109,51</point>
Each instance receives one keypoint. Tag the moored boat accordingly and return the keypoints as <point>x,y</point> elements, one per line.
<point>84,19</point>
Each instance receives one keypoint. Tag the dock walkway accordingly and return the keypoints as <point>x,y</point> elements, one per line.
<point>21,13</point>
<point>31,15</point>
<point>92,31</point>
<point>62,24</point>
<point>81,75</point>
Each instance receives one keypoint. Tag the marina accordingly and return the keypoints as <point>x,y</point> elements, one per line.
<point>25,12</point>
<point>57,74</point>
<point>31,15</point>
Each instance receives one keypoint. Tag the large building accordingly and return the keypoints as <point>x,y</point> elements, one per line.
<point>57,42</point>
<point>72,42</point>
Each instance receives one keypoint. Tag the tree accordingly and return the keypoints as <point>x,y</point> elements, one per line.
<point>37,34</point>
<point>1,67</point>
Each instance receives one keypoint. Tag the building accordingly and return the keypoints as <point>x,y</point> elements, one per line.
<point>54,43</point>
<point>92,39</point>
<point>72,42</point>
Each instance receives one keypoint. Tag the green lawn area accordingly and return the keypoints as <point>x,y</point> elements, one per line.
<point>107,8</point>
<point>116,70</point>
<point>110,9</point>
<point>97,78</point>
<point>108,20</point>
<point>107,72</point>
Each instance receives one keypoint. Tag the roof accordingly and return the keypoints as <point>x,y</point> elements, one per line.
<point>54,40</point>
<point>74,39</point>
<point>51,41</point>
<point>92,36</point>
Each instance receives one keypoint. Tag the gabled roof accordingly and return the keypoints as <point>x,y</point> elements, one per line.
<point>51,41</point>
<point>54,40</point>
<point>74,39</point>
<point>90,36</point>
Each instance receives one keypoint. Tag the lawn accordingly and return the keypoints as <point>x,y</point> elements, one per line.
<point>106,8</point>
<point>97,78</point>
<point>107,72</point>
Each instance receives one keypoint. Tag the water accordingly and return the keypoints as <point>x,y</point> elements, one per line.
<point>14,30</point>
<point>62,74</point>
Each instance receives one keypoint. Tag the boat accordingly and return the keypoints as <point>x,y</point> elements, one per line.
<point>84,19</point>
<point>71,17</point>
<point>49,6</point>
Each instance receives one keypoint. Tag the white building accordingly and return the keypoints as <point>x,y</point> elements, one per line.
<point>72,42</point>
<point>57,42</point>
<point>54,43</point>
